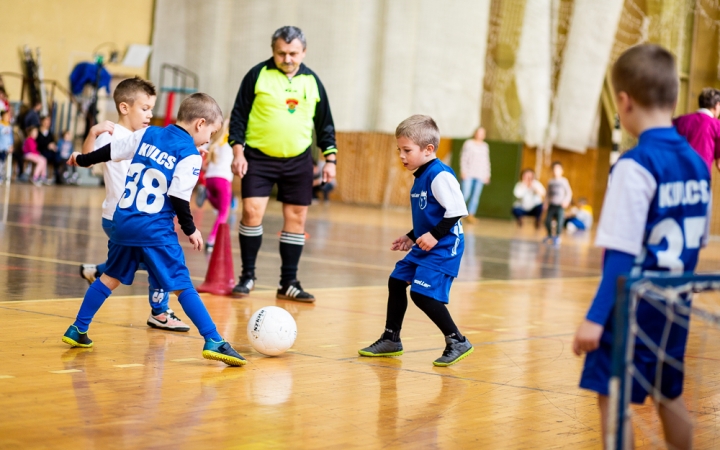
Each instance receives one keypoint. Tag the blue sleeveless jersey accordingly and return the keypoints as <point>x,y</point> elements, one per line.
<point>427,212</point>
<point>165,162</point>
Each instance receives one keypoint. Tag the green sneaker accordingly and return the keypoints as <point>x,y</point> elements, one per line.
<point>223,351</point>
<point>383,347</point>
<point>454,352</point>
<point>74,338</point>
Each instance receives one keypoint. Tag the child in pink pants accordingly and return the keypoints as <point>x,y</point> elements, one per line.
<point>32,154</point>
<point>218,183</point>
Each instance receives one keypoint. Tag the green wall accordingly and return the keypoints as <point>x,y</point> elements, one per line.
<point>505,159</point>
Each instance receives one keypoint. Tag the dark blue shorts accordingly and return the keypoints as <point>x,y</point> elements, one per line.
<point>423,280</point>
<point>596,374</point>
<point>165,265</point>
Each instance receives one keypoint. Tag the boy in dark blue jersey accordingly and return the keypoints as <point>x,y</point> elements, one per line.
<point>434,260</point>
<point>163,172</point>
<point>654,220</point>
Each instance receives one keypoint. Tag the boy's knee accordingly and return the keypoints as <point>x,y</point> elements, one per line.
<point>395,285</point>
<point>183,294</point>
<point>109,282</point>
<point>424,302</point>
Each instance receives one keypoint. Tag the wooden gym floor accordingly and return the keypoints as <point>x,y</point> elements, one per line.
<point>518,301</point>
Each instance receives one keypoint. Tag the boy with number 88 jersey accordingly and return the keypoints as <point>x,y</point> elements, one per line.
<point>163,172</point>
<point>654,220</point>
<point>134,101</point>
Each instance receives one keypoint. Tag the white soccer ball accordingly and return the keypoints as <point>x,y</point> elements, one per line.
<point>271,330</point>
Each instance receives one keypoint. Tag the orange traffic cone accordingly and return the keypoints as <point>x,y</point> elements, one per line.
<point>220,276</point>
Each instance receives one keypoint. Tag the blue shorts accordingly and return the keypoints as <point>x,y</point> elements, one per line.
<point>165,265</point>
<point>108,227</point>
<point>596,374</point>
<point>428,282</point>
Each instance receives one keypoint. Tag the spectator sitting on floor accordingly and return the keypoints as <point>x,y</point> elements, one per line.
<point>579,216</point>
<point>48,148</point>
<point>529,194</point>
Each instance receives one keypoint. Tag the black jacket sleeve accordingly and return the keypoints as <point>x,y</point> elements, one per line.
<point>185,218</point>
<point>324,125</point>
<point>95,157</point>
<point>411,235</point>
<point>243,105</point>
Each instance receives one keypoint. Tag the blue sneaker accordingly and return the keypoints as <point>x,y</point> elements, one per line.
<point>74,338</point>
<point>223,351</point>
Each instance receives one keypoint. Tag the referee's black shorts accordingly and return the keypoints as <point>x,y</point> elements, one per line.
<point>294,177</point>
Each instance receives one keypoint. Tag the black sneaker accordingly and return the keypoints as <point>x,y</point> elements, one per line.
<point>454,352</point>
<point>293,291</point>
<point>243,288</point>
<point>382,347</point>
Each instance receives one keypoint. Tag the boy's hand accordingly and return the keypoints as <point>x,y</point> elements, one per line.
<point>426,242</point>
<point>587,337</point>
<point>203,152</point>
<point>102,127</point>
<point>196,240</point>
<point>71,160</point>
<point>402,243</point>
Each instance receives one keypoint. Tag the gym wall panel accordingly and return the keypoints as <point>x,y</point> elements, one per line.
<point>587,54</point>
<point>505,159</point>
<point>371,172</point>
<point>379,60</point>
<point>533,70</point>
<point>68,32</point>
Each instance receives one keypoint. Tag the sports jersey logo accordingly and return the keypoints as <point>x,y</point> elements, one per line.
<point>422,283</point>
<point>196,171</point>
<point>292,105</point>
<point>157,155</point>
<point>423,199</point>
<point>688,192</point>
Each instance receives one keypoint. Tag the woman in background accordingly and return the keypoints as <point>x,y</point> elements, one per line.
<point>474,171</point>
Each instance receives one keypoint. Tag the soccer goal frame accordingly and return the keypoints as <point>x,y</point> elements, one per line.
<point>629,291</point>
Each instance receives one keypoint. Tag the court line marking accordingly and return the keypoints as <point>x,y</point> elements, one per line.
<point>70,299</point>
<point>55,229</point>
<point>274,255</point>
<point>6,377</point>
<point>271,290</point>
<point>66,371</point>
<point>126,366</point>
<point>185,360</point>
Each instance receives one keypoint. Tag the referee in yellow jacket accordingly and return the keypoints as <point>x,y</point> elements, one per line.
<point>279,104</point>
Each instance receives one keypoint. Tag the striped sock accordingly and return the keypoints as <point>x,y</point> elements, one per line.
<point>250,242</point>
<point>291,247</point>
